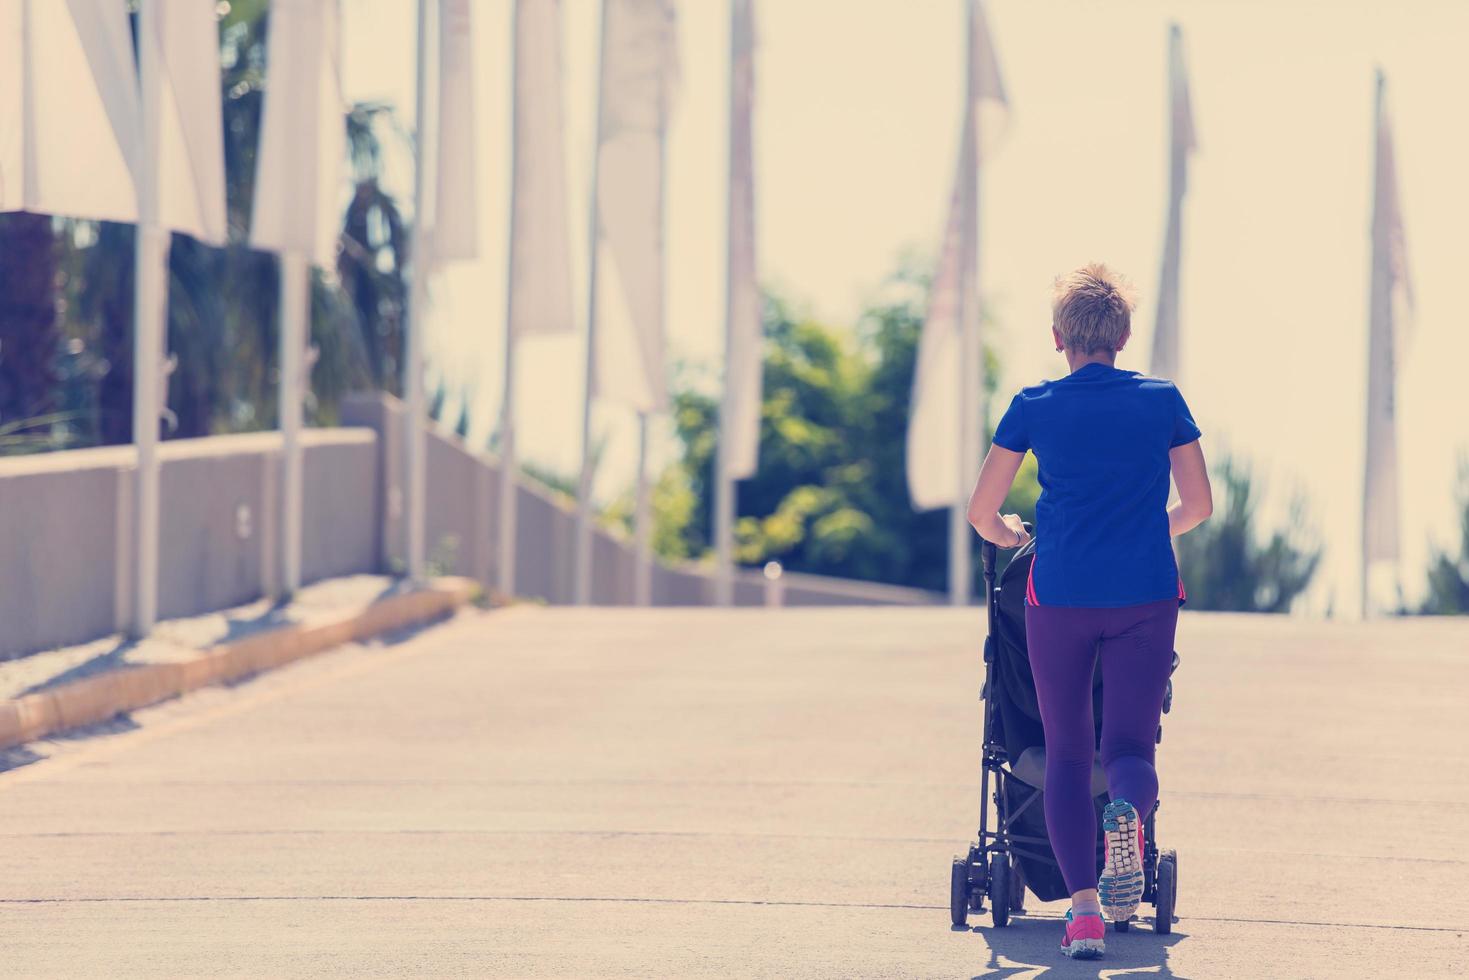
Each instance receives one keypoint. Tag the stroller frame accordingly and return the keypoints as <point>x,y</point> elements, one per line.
<point>990,869</point>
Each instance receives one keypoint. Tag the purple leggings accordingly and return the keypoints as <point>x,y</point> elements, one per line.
<point>1136,647</point>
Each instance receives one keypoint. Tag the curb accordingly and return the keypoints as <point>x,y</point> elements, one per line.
<point>97,699</point>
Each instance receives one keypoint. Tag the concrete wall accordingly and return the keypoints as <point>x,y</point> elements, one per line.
<point>66,531</point>
<point>463,494</point>
<point>63,536</point>
<point>67,536</point>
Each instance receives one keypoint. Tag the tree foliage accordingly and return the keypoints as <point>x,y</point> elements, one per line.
<point>1225,565</point>
<point>30,340</point>
<point>1448,575</point>
<point>831,494</point>
<point>374,249</point>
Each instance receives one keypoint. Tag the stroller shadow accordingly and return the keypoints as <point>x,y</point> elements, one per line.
<point>1030,947</point>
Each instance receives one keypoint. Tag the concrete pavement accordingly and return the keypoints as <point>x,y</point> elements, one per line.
<point>698,793</point>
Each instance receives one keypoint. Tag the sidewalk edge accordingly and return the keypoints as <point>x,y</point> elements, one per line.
<point>91,700</point>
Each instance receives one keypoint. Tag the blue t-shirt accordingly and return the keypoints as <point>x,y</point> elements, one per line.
<point>1101,438</point>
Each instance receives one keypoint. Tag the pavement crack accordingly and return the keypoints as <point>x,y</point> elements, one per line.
<point>644,900</point>
<point>605,832</point>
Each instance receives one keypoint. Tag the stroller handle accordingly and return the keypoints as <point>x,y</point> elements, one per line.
<point>989,552</point>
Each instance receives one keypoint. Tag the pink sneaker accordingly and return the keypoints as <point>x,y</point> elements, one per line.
<point>1085,937</point>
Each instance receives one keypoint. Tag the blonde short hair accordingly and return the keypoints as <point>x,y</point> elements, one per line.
<point>1092,309</point>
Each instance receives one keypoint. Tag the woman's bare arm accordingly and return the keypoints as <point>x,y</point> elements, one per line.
<point>995,478</point>
<point>1195,497</point>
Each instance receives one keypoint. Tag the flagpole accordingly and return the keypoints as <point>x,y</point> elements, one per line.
<point>959,542</point>
<point>724,487</point>
<point>643,576</point>
<point>414,435</point>
<point>295,300</point>
<point>582,559</point>
<point>150,320</point>
<point>505,523</point>
<point>724,510</point>
<point>1165,358</point>
<point>1378,295</point>
<point>642,519</point>
<point>29,171</point>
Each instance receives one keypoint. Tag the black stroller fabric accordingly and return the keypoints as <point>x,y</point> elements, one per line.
<point>1013,698</point>
<point>1020,717</point>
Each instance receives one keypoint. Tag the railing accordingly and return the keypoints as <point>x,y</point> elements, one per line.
<point>66,531</point>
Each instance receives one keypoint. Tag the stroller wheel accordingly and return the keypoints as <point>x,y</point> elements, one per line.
<point>1122,926</point>
<point>1000,890</point>
<point>1167,893</point>
<point>959,893</point>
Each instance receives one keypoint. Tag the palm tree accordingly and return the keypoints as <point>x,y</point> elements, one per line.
<point>374,249</point>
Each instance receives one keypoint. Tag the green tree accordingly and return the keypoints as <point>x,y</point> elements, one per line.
<point>374,249</point>
<point>831,494</point>
<point>1448,575</point>
<point>96,285</point>
<point>1224,564</point>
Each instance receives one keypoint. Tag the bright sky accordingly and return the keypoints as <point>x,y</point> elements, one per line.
<point>856,130</point>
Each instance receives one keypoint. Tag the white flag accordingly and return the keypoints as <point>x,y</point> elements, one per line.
<point>456,208</point>
<point>744,343</point>
<point>190,177</point>
<point>1389,321</point>
<point>1165,360</point>
<point>540,251</point>
<point>69,115</point>
<point>639,74</point>
<point>298,176</point>
<point>933,457</point>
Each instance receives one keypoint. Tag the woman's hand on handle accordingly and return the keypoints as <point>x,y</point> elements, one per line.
<point>995,478</point>
<point>1016,526</point>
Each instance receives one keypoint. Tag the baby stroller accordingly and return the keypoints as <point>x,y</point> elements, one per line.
<point>1016,854</point>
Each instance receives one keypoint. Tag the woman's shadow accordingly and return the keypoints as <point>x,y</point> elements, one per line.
<point>1030,947</point>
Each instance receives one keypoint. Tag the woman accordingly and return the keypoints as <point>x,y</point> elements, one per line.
<point>1103,583</point>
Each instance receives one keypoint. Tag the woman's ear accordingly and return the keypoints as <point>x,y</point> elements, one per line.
<point>1126,336</point>
<point>1056,336</point>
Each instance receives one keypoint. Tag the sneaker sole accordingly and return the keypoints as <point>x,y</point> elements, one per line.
<point>1121,884</point>
<point>1085,949</point>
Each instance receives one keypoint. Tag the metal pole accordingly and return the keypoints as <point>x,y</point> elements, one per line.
<point>582,564</point>
<point>295,299</point>
<point>149,324</point>
<point>414,437</point>
<point>975,410</point>
<point>724,513</point>
<point>959,532</point>
<point>1379,304</point>
<point>959,550</point>
<point>724,488</point>
<point>30,177</point>
<point>505,551</point>
<point>505,527</point>
<point>642,528</point>
<point>774,587</point>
